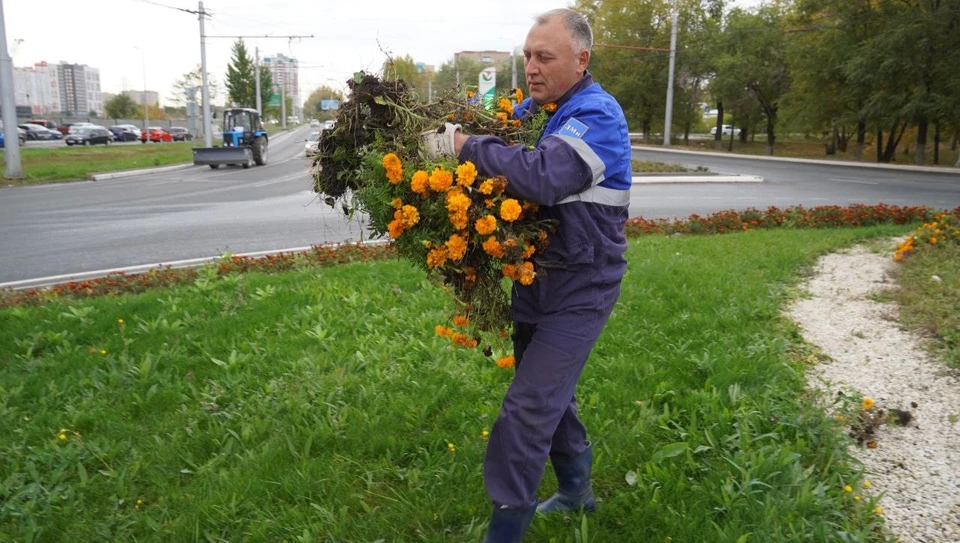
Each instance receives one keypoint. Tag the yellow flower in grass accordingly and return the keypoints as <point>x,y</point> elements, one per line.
<point>394,167</point>
<point>485,434</point>
<point>506,362</point>
<point>485,225</point>
<point>848,488</point>
<point>867,484</point>
<point>456,247</point>
<point>510,210</point>
<point>420,182</point>
<point>451,447</point>
<point>440,179</point>
<point>466,174</point>
<point>437,257</point>
<point>867,403</point>
<point>492,247</point>
<point>878,510</point>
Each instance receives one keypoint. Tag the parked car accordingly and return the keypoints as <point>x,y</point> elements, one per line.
<point>21,135</point>
<point>179,133</point>
<point>90,136</point>
<point>70,128</point>
<point>122,133</point>
<point>3,143</point>
<point>49,125</point>
<point>132,128</point>
<point>156,134</point>
<point>310,149</point>
<point>36,132</point>
<point>727,130</point>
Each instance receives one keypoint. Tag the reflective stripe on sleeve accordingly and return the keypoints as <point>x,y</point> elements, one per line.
<point>600,195</point>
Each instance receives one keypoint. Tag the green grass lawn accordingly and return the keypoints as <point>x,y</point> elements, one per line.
<point>318,405</point>
<point>54,164</point>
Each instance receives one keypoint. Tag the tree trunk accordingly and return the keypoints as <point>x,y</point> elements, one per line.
<point>831,146</point>
<point>743,135</point>
<point>879,144</point>
<point>920,156</point>
<point>893,142</point>
<point>844,140</point>
<point>686,133</point>
<point>646,131</point>
<point>771,136</point>
<point>718,137</point>
<point>730,145</point>
<point>861,138</point>
<point>956,139</point>
<point>936,143</point>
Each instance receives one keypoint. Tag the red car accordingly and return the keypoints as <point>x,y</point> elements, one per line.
<point>155,134</point>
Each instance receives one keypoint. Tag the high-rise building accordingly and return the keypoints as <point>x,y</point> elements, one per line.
<point>152,97</point>
<point>79,88</point>
<point>285,71</point>
<point>37,88</point>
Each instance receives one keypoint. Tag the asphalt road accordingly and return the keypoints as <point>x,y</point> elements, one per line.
<point>68,229</point>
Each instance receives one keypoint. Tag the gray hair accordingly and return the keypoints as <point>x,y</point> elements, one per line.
<point>576,23</point>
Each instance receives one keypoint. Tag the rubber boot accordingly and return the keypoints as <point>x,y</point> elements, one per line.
<point>508,524</point>
<point>573,485</point>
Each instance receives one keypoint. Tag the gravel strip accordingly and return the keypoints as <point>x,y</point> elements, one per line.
<point>915,467</point>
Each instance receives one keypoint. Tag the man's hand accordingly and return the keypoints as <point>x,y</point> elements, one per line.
<point>440,143</point>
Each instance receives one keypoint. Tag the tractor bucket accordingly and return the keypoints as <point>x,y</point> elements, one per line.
<point>214,156</point>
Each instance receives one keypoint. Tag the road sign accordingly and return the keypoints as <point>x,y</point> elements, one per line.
<point>274,99</point>
<point>488,86</point>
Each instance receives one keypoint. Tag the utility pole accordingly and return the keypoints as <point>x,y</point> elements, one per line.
<point>8,108</point>
<point>668,122</point>
<point>283,104</point>
<point>204,90</point>
<point>256,74</point>
<point>513,67</point>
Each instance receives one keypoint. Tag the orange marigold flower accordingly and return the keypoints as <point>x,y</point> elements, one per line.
<point>486,187</point>
<point>485,225</point>
<point>419,182</point>
<point>505,105</point>
<point>528,251</point>
<point>395,228</point>
<point>394,167</point>
<point>457,205</point>
<point>527,277</point>
<point>492,247</point>
<point>515,123</point>
<point>456,247</point>
<point>933,241</point>
<point>510,210</point>
<point>470,274</point>
<point>411,216</point>
<point>509,271</point>
<point>397,203</point>
<point>466,173</point>
<point>461,321</point>
<point>502,117</point>
<point>550,107</point>
<point>518,94</point>
<point>506,362</point>
<point>489,203</point>
<point>437,257</point>
<point>440,179</point>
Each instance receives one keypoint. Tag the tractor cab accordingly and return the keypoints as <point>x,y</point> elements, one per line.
<point>240,126</point>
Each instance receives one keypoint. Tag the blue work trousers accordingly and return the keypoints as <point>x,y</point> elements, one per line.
<point>538,417</point>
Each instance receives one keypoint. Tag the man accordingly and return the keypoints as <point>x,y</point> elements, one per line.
<point>579,173</point>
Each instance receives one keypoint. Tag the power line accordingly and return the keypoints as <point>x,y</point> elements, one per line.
<point>207,13</point>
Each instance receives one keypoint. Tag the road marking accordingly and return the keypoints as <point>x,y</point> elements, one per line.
<point>849,180</point>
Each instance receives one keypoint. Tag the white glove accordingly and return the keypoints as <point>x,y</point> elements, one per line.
<point>439,143</point>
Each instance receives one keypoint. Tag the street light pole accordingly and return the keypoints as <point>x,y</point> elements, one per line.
<point>668,122</point>
<point>8,108</point>
<point>204,92</point>
<point>143,100</point>
<point>256,74</point>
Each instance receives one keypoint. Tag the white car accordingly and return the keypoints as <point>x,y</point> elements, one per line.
<point>328,125</point>
<point>727,130</point>
<point>310,149</point>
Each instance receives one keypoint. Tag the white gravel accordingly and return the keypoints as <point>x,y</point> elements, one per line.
<point>915,467</point>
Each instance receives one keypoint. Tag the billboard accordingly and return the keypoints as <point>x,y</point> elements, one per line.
<point>488,86</point>
<point>327,105</point>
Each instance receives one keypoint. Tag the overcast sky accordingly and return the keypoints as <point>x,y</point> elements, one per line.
<point>347,35</point>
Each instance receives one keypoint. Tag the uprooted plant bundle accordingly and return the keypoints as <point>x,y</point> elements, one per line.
<point>464,230</point>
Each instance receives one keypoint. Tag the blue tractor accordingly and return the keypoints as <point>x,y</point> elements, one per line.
<point>244,141</point>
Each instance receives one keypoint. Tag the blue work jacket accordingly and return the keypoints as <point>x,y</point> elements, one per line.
<point>580,175</point>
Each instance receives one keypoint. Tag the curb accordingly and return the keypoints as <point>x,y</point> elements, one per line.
<point>895,167</point>
<point>144,171</point>
<point>723,178</point>
<point>42,282</point>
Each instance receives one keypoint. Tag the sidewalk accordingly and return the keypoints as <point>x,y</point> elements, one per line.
<point>850,164</point>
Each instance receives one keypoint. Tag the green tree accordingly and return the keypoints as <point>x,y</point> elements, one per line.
<point>241,78</point>
<point>312,109</point>
<point>193,78</point>
<point>121,106</point>
<point>752,58</point>
<point>405,68</point>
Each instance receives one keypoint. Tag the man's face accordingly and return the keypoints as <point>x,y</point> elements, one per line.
<point>550,62</point>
